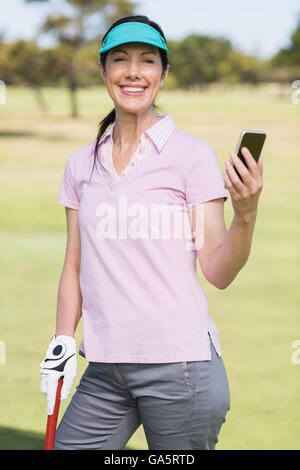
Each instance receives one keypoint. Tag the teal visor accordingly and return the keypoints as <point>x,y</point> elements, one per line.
<point>133,31</point>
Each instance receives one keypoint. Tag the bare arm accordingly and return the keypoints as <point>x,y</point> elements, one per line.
<point>69,300</point>
<point>222,254</point>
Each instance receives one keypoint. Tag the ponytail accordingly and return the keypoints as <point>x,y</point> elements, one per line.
<point>102,126</point>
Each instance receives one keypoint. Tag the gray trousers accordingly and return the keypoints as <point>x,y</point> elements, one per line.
<point>182,405</point>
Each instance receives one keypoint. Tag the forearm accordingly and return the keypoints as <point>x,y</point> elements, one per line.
<point>69,302</point>
<point>229,258</point>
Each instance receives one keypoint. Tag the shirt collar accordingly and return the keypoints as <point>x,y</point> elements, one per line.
<point>158,132</point>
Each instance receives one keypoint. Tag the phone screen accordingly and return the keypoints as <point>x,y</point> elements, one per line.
<point>254,141</point>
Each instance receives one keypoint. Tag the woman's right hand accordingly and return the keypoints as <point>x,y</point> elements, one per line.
<point>60,360</point>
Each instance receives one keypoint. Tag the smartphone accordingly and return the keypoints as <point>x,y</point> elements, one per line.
<point>254,141</point>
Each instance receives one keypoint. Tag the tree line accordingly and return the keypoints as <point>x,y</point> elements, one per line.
<point>195,61</point>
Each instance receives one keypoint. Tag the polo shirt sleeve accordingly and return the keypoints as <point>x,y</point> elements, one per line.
<point>204,180</point>
<point>68,194</point>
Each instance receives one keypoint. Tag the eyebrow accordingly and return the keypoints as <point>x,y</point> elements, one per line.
<point>121,50</point>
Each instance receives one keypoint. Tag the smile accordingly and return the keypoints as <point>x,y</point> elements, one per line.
<point>133,91</point>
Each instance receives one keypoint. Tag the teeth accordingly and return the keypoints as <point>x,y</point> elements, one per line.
<point>132,89</point>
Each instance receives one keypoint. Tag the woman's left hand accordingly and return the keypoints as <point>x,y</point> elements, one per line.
<point>244,194</point>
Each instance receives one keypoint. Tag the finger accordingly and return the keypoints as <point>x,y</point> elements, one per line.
<point>229,185</point>
<point>50,406</point>
<point>67,385</point>
<point>234,178</point>
<point>250,161</point>
<point>43,387</point>
<point>69,376</point>
<point>51,392</point>
<point>260,164</point>
<point>242,169</point>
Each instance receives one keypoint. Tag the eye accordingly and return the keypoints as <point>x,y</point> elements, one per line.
<point>146,60</point>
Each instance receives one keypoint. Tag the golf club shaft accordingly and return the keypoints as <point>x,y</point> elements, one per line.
<point>52,419</point>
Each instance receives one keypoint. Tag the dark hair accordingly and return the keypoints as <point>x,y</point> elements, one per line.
<point>110,118</point>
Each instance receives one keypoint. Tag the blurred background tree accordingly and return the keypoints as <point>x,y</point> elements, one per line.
<point>195,61</point>
<point>285,65</point>
<point>23,63</point>
<point>86,20</point>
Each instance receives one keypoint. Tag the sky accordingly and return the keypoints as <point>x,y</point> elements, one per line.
<point>257,27</point>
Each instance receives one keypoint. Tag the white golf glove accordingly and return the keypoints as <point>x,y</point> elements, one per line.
<point>60,360</point>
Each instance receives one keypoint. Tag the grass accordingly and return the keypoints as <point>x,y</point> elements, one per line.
<point>257,315</point>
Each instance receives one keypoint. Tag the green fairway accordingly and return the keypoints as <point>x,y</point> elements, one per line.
<point>257,315</point>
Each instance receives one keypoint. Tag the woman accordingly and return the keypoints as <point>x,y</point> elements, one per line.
<point>153,350</point>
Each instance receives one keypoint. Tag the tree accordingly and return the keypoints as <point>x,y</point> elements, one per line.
<point>290,56</point>
<point>23,62</point>
<point>285,65</point>
<point>195,60</point>
<point>88,19</point>
<point>246,69</point>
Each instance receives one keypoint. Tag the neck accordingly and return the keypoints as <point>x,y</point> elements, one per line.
<point>129,128</point>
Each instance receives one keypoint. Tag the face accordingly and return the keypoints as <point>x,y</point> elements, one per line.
<point>134,65</point>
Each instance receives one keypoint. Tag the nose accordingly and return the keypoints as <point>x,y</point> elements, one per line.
<point>133,70</point>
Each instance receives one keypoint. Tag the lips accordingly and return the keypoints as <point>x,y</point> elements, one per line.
<point>133,93</point>
<point>133,86</point>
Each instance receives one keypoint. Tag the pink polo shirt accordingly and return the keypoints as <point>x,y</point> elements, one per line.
<point>142,301</point>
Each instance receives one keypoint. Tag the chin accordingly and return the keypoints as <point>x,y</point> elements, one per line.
<point>131,109</point>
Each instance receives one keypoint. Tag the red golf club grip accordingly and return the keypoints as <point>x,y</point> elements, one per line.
<point>52,419</point>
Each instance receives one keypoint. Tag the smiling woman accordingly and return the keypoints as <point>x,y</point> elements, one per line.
<point>153,350</point>
<point>123,66</point>
<point>130,70</point>
<point>127,54</point>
